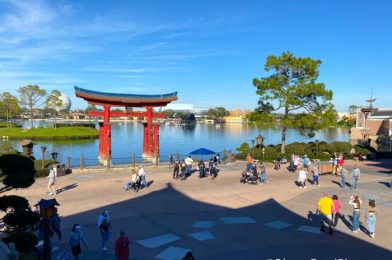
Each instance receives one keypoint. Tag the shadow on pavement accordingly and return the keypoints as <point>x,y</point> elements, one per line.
<point>68,187</point>
<point>169,211</point>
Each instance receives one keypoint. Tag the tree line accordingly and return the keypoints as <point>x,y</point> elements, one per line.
<point>31,97</point>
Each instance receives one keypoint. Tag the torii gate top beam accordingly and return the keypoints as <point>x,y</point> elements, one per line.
<point>125,100</point>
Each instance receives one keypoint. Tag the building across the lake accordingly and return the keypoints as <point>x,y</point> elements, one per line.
<point>373,127</point>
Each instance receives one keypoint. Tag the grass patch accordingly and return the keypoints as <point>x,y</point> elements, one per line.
<point>5,125</point>
<point>50,133</point>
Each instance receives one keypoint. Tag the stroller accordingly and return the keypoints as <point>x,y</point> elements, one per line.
<point>248,177</point>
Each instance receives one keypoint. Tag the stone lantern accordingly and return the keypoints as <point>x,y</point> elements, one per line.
<point>27,146</point>
<point>47,208</point>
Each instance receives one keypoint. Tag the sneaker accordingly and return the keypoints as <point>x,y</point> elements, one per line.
<point>50,194</point>
<point>105,248</point>
<point>318,185</point>
<point>305,187</point>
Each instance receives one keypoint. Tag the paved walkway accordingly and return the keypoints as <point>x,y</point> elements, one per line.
<point>221,218</point>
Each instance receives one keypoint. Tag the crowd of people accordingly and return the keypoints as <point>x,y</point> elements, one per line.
<point>77,239</point>
<point>255,172</point>
<point>329,211</point>
<point>183,169</point>
<point>328,208</point>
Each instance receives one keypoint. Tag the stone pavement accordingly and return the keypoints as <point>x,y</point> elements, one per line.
<point>221,218</point>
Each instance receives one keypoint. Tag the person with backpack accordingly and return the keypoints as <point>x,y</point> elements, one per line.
<point>355,177</point>
<point>122,247</point>
<point>104,228</point>
<point>176,169</point>
<point>74,241</point>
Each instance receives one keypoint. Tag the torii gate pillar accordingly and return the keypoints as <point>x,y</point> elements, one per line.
<point>150,137</point>
<point>105,143</point>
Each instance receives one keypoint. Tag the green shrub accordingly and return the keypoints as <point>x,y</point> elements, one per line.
<point>296,148</point>
<point>21,218</point>
<point>331,149</point>
<point>342,147</point>
<point>270,152</point>
<point>13,201</point>
<point>24,241</point>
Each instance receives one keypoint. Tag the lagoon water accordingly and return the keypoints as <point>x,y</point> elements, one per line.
<point>128,138</point>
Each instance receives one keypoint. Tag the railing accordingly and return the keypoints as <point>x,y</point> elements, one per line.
<point>83,162</point>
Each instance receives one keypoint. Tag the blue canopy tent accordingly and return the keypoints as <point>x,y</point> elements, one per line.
<point>202,152</point>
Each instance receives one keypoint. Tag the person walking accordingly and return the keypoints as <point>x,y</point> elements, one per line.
<point>334,164</point>
<point>54,223</point>
<point>122,247</point>
<point>335,210</point>
<point>188,165</point>
<point>249,162</point>
<point>262,173</point>
<point>176,169</point>
<point>315,174</point>
<point>371,218</point>
<point>355,176</point>
<point>325,207</point>
<point>202,168</point>
<point>142,175</point>
<point>302,177</point>
<point>51,182</point>
<point>75,240</point>
<point>171,161</point>
<point>343,173</point>
<point>306,162</point>
<point>104,228</point>
<point>356,202</point>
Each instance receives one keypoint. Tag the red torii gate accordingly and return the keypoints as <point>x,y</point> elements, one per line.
<point>108,100</point>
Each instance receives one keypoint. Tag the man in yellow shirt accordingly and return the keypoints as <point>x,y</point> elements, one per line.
<point>324,208</point>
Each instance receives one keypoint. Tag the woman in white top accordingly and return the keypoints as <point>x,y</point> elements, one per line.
<point>51,181</point>
<point>302,178</point>
<point>356,202</point>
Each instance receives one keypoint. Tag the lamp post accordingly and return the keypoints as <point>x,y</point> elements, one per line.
<point>317,144</point>
<point>259,140</point>
<point>54,156</point>
<point>47,208</point>
<point>263,151</point>
<point>43,150</point>
<point>253,147</point>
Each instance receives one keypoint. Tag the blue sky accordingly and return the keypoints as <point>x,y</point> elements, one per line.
<point>208,51</point>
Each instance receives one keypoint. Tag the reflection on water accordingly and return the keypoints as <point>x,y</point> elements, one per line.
<point>127,138</point>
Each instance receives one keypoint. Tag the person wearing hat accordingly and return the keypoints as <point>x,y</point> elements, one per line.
<point>104,228</point>
<point>122,247</point>
<point>74,241</point>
